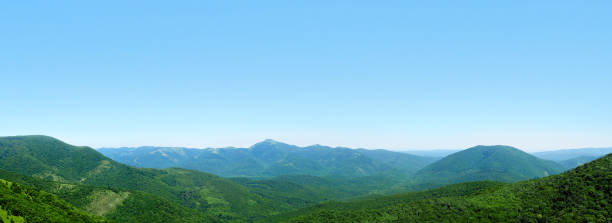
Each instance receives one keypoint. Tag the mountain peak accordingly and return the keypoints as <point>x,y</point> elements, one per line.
<point>492,147</point>
<point>268,142</point>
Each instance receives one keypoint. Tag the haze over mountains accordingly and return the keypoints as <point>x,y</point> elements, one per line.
<point>272,158</point>
<point>579,195</point>
<point>285,182</point>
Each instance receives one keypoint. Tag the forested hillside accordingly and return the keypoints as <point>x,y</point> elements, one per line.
<point>290,192</point>
<point>583,194</point>
<point>217,198</point>
<point>85,184</point>
<point>110,202</point>
<point>497,163</point>
<point>19,203</point>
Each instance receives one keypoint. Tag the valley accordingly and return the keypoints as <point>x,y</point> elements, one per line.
<point>286,183</point>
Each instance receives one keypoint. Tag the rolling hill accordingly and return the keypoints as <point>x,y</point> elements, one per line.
<point>50,159</point>
<point>85,184</point>
<point>111,203</point>
<point>271,158</point>
<point>19,203</point>
<point>583,194</point>
<point>497,163</point>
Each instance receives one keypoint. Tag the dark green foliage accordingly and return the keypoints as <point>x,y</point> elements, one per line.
<point>52,159</point>
<point>580,195</point>
<point>138,207</point>
<point>47,157</point>
<point>83,178</point>
<point>142,207</point>
<point>498,163</point>
<point>377,202</point>
<point>271,158</point>
<point>34,205</point>
<point>290,192</point>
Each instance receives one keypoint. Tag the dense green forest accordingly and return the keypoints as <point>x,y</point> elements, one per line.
<point>193,194</point>
<point>580,195</point>
<point>46,180</point>
<point>498,163</point>
<point>19,203</point>
<point>112,203</point>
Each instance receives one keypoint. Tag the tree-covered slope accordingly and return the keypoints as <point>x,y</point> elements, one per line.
<point>498,163</point>
<point>381,202</point>
<point>583,194</point>
<point>112,203</point>
<point>272,158</point>
<point>49,158</point>
<point>290,192</point>
<point>19,203</point>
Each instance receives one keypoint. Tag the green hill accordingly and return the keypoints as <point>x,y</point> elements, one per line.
<point>19,203</point>
<point>111,203</point>
<point>381,202</point>
<point>497,163</point>
<point>48,158</point>
<point>583,194</point>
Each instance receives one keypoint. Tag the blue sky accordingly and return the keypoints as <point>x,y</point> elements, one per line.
<point>395,74</point>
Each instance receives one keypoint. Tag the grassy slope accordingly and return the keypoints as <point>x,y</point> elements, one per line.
<point>579,195</point>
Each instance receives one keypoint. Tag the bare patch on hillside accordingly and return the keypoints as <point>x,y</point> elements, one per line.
<point>49,176</point>
<point>103,202</point>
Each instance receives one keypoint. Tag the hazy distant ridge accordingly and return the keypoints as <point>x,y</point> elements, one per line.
<point>272,158</point>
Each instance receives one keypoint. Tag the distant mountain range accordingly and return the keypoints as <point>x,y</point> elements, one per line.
<point>567,154</point>
<point>272,158</point>
<point>38,173</point>
<point>400,171</point>
<point>438,153</point>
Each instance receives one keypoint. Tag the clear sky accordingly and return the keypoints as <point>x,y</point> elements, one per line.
<point>377,74</point>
